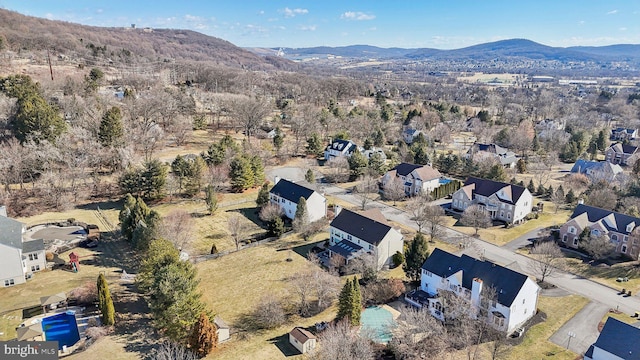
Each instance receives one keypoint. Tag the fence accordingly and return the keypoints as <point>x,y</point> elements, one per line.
<point>201,258</point>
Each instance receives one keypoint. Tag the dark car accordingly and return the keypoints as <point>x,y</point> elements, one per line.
<point>89,243</point>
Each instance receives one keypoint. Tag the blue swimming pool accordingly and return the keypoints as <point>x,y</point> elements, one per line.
<point>377,323</point>
<point>61,328</point>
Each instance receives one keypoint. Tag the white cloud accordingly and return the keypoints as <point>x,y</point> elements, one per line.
<point>293,12</point>
<point>357,15</point>
<point>622,29</point>
<point>308,28</point>
<point>581,22</point>
<point>261,12</point>
<point>49,16</point>
<point>373,28</point>
<point>612,12</point>
<point>99,11</point>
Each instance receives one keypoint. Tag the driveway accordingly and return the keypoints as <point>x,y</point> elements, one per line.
<point>294,174</point>
<point>581,331</point>
<point>523,240</point>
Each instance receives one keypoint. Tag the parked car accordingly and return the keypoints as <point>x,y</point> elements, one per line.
<point>89,243</point>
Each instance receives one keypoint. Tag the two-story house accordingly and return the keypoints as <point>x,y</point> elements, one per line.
<point>416,179</point>
<point>409,134</point>
<point>506,297</point>
<point>619,153</point>
<point>597,170</point>
<point>506,157</point>
<point>353,234</point>
<point>622,134</point>
<point>617,341</point>
<point>18,259</point>
<point>286,195</point>
<point>340,148</point>
<point>506,202</point>
<point>623,230</point>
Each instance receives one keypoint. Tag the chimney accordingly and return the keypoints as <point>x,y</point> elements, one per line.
<point>3,210</point>
<point>580,201</point>
<point>276,179</point>
<point>476,290</point>
<point>336,210</point>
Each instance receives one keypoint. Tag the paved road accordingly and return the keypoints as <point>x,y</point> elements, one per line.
<point>585,324</point>
<point>581,331</point>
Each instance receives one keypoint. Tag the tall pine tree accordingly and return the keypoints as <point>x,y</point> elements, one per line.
<point>204,336</point>
<point>415,256</point>
<point>105,303</point>
<point>111,130</point>
<point>356,303</point>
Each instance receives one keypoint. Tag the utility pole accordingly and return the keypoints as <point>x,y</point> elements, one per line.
<point>50,67</point>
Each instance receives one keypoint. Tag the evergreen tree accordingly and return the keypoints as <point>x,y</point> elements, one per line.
<point>146,231</point>
<point>377,164</point>
<point>211,199</point>
<point>356,304</point>
<point>275,227</point>
<point>521,166</point>
<point>531,187</point>
<point>258,170</point>
<point>310,177</point>
<point>241,174</point>
<point>571,197</point>
<point>263,195</point>
<point>111,129</point>
<point>345,301</point>
<point>601,142</point>
<point>134,212</point>
<point>204,336</point>
<point>420,154</point>
<point>301,210</point>
<point>378,138</point>
<point>36,120</point>
<point>357,164</point>
<point>415,255</point>
<point>535,143</point>
<point>278,140</point>
<point>496,172</point>
<point>105,303</point>
<point>314,144</point>
<point>541,190</point>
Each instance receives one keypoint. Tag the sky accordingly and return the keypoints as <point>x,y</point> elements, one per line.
<point>441,24</point>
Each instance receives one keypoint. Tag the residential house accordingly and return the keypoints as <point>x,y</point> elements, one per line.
<point>286,194</point>
<point>622,134</point>
<point>506,202</point>
<point>370,152</point>
<point>623,230</point>
<point>619,153</point>
<point>506,157</point>
<point>617,341</point>
<point>18,259</point>
<point>302,340</point>
<point>353,234</point>
<point>340,148</point>
<point>550,124</point>
<point>409,134</point>
<point>415,178</point>
<point>597,170</point>
<point>507,297</point>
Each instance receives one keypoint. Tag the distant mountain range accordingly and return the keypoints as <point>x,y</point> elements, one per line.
<point>504,49</point>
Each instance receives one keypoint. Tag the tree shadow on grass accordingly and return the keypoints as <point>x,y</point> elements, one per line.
<point>304,249</point>
<point>103,205</point>
<point>252,214</point>
<point>282,343</point>
<point>133,321</point>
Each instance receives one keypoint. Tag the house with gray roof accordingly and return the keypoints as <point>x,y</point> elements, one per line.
<point>617,340</point>
<point>353,234</point>
<point>622,134</point>
<point>502,201</point>
<point>597,170</point>
<point>507,297</point>
<point>18,259</point>
<point>506,157</point>
<point>620,153</point>
<point>340,148</point>
<point>286,194</point>
<point>621,229</point>
<point>415,178</point>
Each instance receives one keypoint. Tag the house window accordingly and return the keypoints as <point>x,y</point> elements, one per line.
<point>572,230</point>
<point>428,273</point>
<point>614,237</point>
<point>625,239</point>
<point>9,282</point>
<point>624,249</point>
<point>349,237</point>
<point>35,267</point>
<point>33,257</point>
<point>575,241</point>
<point>508,216</point>
<point>564,238</point>
<point>501,213</point>
<point>595,232</point>
<point>370,247</point>
<point>498,321</point>
<point>523,300</point>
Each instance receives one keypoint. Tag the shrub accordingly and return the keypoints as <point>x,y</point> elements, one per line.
<point>398,259</point>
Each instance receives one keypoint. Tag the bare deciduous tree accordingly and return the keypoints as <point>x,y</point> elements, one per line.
<point>338,171</point>
<point>547,258</point>
<point>417,209</point>
<point>394,190</point>
<point>269,313</point>
<point>340,342</point>
<point>419,335</point>
<point>174,351</point>
<point>597,246</point>
<point>237,229</point>
<point>476,217</point>
<point>177,227</point>
<point>366,190</point>
<point>435,221</point>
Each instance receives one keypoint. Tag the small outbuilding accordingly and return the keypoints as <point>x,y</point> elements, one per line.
<point>302,340</point>
<point>222,329</point>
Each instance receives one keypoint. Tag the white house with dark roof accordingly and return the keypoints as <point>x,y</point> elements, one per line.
<point>623,230</point>
<point>506,157</point>
<point>503,201</point>
<point>286,195</point>
<point>416,179</point>
<point>621,134</point>
<point>353,234</point>
<point>617,341</point>
<point>18,259</point>
<point>620,153</point>
<point>509,298</point>
<point>409,134</point>
<point>340,148</point>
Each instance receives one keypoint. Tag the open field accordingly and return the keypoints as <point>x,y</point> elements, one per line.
<point>232,286</point>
